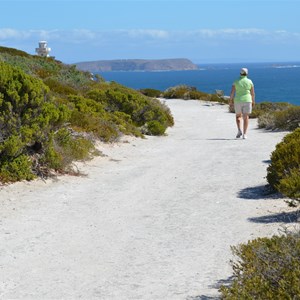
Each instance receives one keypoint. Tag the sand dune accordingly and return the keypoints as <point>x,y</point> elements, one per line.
<point>153,219</point>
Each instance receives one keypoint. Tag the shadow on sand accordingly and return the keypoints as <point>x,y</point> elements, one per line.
<point>264,192</point>
<point>283,217</point>
<point>216,285</point>
<point>222,139</point>
<point>258,192</point>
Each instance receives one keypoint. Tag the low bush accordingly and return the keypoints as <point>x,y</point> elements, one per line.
<point>16,169</point>
<point>288,119</point>
<point>282,116</point>
<point>266,268</point>
<point>191,93</point>
<point>283,174</point>
<point>137,108</point>
<point>268,107</point>
<point>151,93</point>
<point>63,148</point>
<point>153,128</point>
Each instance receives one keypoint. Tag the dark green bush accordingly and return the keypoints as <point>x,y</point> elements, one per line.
<point>283,174</point>
<point>151,93</point>
<point>290,186</point>
<point>266,268</point>
<point>27,118</point>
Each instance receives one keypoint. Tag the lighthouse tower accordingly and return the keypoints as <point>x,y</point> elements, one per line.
<point>43,50</point>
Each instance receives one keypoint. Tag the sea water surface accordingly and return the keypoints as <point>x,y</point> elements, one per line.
<point>275,82</point>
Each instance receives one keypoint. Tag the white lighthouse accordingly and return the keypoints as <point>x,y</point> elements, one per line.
<point>43,50</point>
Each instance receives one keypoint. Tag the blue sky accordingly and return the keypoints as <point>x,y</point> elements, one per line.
<point>204,31</point>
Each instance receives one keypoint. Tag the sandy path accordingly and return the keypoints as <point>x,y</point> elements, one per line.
<point>153,220</point>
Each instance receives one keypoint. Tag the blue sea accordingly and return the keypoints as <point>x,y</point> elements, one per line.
<point>274,82</point>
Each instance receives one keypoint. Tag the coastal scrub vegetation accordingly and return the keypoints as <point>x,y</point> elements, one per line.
<point>283,173</point>
<point>266,268</point>
<point>269,268</point>
<point>191,93</point>
<point>184,92</point>
<point>51,115</point>
<point>274,116</point>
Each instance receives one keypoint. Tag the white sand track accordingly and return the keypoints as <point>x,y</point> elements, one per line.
<point>154,219</point>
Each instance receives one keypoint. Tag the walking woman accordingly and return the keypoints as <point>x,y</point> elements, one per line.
<point>242,96</point>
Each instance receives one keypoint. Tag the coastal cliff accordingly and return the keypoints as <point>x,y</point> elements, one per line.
<point>178,64</point>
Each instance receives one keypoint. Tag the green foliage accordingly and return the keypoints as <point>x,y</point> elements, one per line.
<point>282,115</point>
<point>179,92</point>
<point>154,128</point>
<point>191,93</point>
<point>290,186</point>
<point>283,174</point>
<point>16,169</point>
<point>14,52</point>
<point>139,108</point>
<point>288,119</point>
<point>58,87</point>
<point>27,117</point>
<point>151,93</point>
<point>63,148</point>
<point>266,268</point>
<point>263,107</point>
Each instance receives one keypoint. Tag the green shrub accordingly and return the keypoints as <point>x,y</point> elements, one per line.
<point>151,92</point>
<point>282,115</point>
<point>154,128</point>
<point>191,93</point>
<point>137,107</point>
<point>51,159</point>
<point>290,186</point>
<point>288,119</point>
<point>16,169</point>
<point>178,92</point>
<point>266,268</point>
<point>71,148</point>
<point>125,124</point>
<point>64,148</point>
<point>58,87</point>
<point>266,120</point>
<point>283,174</point>
<point>88,119</point>
<point>268,107</point>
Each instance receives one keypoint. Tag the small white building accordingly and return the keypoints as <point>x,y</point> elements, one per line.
<point>43,50</point>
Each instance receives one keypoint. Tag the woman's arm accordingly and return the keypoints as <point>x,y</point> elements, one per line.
<point>232,95</point>
<point>252,92</point>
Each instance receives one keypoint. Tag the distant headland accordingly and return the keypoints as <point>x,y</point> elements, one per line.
<point>175,64</point>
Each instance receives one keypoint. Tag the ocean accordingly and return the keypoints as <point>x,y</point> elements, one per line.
<point>274,82</point>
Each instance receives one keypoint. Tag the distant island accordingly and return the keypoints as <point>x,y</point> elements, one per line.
<point>175,64</point>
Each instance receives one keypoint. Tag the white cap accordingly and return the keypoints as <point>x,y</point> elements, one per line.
<point>244,71</point>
